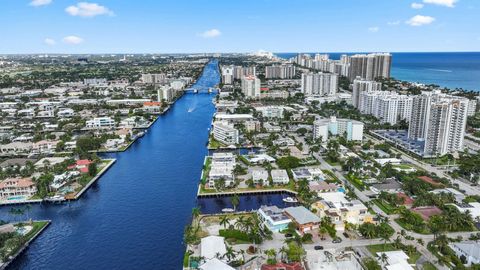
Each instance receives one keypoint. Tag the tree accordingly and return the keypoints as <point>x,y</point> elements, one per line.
<point>235,201</point>
<point>92,169</point>
<point>371,264</point>
<point>225,221</point>
<point>272,256</point>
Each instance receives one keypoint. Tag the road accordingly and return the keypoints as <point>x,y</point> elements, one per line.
<point>365,199</point>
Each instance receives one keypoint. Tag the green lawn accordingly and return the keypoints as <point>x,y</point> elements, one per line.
<point>386,207</point>
<point>332,178</point>
<point>214,144</point>
<point>408,227</point>
<point>357,182</point>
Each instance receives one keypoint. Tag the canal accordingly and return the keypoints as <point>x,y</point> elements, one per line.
<point>134,216</point>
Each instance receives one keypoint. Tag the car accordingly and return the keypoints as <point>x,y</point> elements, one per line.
<point>337,240</point>
<point>318,247</point>
<point>288,235</point>
<point>346,235</point>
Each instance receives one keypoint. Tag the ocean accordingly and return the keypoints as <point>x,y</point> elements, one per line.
<point>446,69</point>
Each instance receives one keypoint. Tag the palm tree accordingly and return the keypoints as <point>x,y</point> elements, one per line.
<point>196,214</point>
<point>235,201</point>
<point>239,223</point>
<point>283,252</point>
<point>272,255</point>
<point>384,258</point>
<point>230,254</point>
<point>225,221</point>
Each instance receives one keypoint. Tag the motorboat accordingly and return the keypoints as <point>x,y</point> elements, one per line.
<point>228,210</point>
<point>290,200</point>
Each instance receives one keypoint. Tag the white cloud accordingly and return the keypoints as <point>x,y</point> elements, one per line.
<point>72,40</point>
<point>420,20</point>
<point>85,9</point>
<point>416,5</point>
<point>37,3</point>
<point>374,29</point>
<point>212,33</point>
<point>446,3</point>
<point>49,41</point>
<point>394,23</point>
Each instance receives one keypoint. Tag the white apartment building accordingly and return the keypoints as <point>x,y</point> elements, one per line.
<point>323,84</point>
<point>370,66</point>
<point>388,107</point>
<point>165,93</point>
<point>154,78</point>
<point>361,85</point>
<point>271,111</point>
<point>440,121</point>
<point>225,133</point>
<point>227,74</point>
<point>221,167</point>
<point>280,71</point>
<point>251,86</point>
<point>352,129</point>
<point>100,123</point>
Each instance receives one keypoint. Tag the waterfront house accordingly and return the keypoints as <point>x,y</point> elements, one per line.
<point>303,219</point>
<point>211,246</point>
<point>469,250</point>
<point>215,264</point>
<point>273,218</point>
<point>260,176</point>
<point>14,187</point>
<point>100,123</point>
<point>280,177</point>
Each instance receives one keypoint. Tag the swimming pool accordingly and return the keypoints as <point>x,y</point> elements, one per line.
<point>341,189</point>
<point>17,198</point>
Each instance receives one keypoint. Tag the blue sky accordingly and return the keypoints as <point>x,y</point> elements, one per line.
<point>160,26</point>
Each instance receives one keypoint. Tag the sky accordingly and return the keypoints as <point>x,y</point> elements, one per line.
<point>191,26</point>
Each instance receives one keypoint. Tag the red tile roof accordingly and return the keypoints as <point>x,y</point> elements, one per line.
<point>427,211</point>
<point>83,162</point>
<point>152,103</point>
<point>430,181</point>
<point>406,199</point>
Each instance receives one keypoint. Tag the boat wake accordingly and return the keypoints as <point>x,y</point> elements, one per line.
<point>440,70</point>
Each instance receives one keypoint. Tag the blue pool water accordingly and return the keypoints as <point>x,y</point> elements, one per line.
<point>452,70</point>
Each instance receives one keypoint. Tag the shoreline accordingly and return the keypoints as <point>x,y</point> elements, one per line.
<point>26,244</point>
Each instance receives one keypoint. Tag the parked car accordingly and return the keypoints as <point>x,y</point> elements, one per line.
<point>318,247</point>
<point>346,235</point>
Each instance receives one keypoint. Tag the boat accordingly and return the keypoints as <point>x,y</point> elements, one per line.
<point>290,200</point>
<point>55,199</point>
<point>140,134</point>
<point>228,210</point>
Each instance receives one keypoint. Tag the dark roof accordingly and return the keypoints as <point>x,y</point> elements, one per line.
<point>15,162</point>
